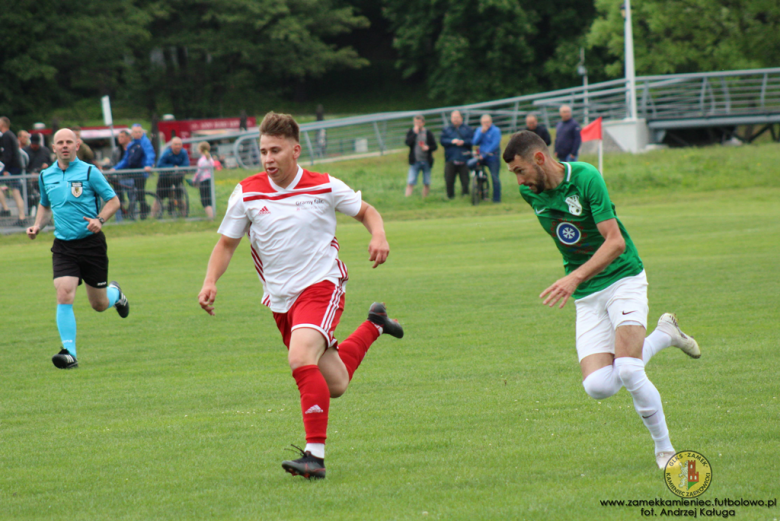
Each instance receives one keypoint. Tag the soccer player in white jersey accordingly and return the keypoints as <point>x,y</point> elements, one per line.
<point>289,215</point>
<point>606,277</point>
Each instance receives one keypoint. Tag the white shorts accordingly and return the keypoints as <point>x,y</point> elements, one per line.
<point>599,314</point>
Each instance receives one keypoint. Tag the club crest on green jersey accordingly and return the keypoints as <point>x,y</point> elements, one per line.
<point>76,188</point>
<point>568,234</point>
<point>575,208</point>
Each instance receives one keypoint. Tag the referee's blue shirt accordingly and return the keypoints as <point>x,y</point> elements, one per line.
<point>72,195</point>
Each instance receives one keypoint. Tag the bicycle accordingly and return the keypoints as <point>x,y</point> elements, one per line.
<point>480,183</point>
<point>173,188</point>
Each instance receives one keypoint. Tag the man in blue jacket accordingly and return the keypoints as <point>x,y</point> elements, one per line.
<point>148,149</point>
<point>175,156</point>
<point>70,191</point>
<point>135,159</point>
<point>567,136</point>
<point>456,140</point>
<point>488,138</point>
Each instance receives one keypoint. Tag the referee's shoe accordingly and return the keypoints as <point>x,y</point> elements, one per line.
<point>122,305</point>
<point>64,360</point>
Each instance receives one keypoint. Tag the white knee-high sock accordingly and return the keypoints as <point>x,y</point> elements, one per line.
<point>603,383</point>
<point>647,400</point>
<point>655,342</point>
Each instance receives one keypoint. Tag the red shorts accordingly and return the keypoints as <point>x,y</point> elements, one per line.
<point>318,307</point>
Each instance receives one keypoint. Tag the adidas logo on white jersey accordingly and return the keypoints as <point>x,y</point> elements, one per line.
<point>313,409</point>
<point>265,210</point>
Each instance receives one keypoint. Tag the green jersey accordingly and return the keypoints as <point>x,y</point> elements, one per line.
<point>570,213</point>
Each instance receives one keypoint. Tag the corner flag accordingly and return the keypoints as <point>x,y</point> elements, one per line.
<point>592,132</point>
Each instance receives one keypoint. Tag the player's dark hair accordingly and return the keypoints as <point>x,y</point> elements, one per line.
<point>280,125</point>
<point>523,144</point>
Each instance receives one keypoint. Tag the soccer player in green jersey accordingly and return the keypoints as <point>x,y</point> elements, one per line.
<point>604,275</point>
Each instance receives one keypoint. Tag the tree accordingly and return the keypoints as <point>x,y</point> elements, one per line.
<point>690,35</point>
<point>488,49</point>
<point>205,53</point>
<point>52,54</point>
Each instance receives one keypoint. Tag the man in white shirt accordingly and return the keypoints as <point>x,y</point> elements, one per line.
<point>290,216</point>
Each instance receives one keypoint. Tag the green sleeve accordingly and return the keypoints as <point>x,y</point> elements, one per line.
<point>601,207</point>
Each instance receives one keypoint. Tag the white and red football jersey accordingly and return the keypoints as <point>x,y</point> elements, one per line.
<point>292,231</point>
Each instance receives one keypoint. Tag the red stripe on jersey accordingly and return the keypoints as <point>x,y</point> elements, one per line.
<point>335,243</point>
<point>258,262</point>
<point>311,179</point>
<point>257,183</point>
<point>267,301</point>
<point>286,195</point>
<point>343,270</point>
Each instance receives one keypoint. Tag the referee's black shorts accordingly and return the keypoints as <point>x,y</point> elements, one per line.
<point>85,258</point>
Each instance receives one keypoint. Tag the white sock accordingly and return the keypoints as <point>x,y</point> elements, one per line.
<point>647,400</point>
<point>655,342</point>
<point>602,383</point>
<point>317,449</point>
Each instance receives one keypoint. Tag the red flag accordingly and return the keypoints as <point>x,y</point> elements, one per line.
<point>592,131</point>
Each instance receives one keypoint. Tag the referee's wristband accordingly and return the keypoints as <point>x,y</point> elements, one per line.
<point>102,221</point>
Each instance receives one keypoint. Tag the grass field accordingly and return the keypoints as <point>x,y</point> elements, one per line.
<point>478,413</point>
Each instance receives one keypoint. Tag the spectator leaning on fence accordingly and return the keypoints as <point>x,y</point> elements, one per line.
<point>203,177</point>
<point>174,157</point>
<point>488,138</point>
<point>421,145</point>
<point>135,158</point>
<point>148,148</point>
<point>23,138</point>
<point>456,140</point>
<point>12,167</point>
<point>567,136</point>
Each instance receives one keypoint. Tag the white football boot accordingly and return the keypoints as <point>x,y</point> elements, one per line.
<point>668,324</point>
<point>662,458</point>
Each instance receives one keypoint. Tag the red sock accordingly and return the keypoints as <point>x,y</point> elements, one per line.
<point>315,402</point>
<point>353,349</point>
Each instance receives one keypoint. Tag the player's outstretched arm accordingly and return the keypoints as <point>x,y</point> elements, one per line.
<point>218,264</point>
<point>614,245</point>
<point>42,216</point>
<point>378,248</point>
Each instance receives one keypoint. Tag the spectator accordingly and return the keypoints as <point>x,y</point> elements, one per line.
<point>174,157</point>
<point>24,141</point>
<point>421,145</point>
<point>39,154</point>
<point>488,138</point>
<point>456,140</point>
<point>123,139</point>
<point>85,152</point>
<point>135,158</point>
<point>567,136</point>
<point>532,124</point>
<point>12,167</point>
<point>148,148</point>
<point>203,177</point>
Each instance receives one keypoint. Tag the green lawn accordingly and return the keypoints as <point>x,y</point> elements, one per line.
<point>478,413</point>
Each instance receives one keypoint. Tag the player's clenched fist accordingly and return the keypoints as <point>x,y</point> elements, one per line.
<point>206,298</point>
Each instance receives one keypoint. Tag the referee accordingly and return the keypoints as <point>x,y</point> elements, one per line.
<point>70,189</point>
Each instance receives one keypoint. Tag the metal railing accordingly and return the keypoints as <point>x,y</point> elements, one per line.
<point>139,199</point>
<point>678,97</point>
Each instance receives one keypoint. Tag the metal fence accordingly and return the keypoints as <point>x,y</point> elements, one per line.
<point>163,193</point>
<point>676,99</point>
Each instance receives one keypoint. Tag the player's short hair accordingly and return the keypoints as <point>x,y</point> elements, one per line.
<point>6,121</point>
<point>280,125</point>
<point>524,144</point>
